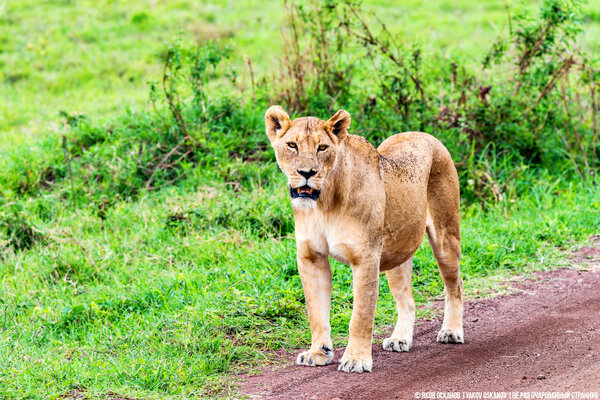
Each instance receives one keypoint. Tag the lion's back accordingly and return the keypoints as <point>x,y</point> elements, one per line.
<point>408,156</point>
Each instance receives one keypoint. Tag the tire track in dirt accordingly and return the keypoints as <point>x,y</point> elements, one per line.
<point>546,337</point>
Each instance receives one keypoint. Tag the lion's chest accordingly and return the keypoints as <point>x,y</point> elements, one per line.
<point>339,237</point>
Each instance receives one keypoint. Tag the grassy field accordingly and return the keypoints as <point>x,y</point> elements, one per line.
<point>122,276</point>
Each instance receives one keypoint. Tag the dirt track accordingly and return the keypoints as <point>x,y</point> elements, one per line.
<point>546,337</point>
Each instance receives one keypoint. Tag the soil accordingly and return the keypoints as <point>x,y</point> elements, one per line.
<point>545,337</point>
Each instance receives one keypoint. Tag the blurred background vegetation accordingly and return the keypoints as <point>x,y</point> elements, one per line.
<point>146,239</point>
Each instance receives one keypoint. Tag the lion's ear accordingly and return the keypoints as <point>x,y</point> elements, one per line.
<point>277,122</point>
<point>338,125</point>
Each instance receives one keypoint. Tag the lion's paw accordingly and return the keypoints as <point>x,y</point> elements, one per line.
<point>399,345</point>
<point>312,358</point>
<point>450,336</point>
<point>358,365</point>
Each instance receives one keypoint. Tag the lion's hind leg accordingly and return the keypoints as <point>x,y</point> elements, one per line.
<point>443,232</point>
<point>399,280</point>
<point>445,243</point>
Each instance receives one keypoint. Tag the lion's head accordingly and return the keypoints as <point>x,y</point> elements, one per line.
<point>306,150</point>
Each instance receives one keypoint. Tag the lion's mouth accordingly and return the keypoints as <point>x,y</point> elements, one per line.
<point>304,191</point>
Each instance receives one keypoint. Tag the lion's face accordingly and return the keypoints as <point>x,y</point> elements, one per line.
<point>306,150</point>
<point>305,154</point>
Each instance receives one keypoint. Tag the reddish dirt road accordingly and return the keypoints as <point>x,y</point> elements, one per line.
<point>546,337</point>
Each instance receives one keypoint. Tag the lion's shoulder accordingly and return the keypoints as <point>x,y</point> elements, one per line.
<point>362,148</point>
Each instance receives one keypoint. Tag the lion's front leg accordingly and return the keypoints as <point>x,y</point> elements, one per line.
<point>357,357</point>
<point>315,273</point>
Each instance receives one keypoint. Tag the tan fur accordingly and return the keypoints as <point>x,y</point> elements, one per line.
<point>374,208</point>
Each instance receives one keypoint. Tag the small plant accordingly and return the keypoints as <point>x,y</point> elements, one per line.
<point>17,231</point>
<point>187,70</point>
<point>316,69</point>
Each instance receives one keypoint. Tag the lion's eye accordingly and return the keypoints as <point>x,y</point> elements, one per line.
<point>322,147</point>
<point>292,145</point>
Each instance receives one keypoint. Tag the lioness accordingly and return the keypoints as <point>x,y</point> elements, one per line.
<point>368,208</point>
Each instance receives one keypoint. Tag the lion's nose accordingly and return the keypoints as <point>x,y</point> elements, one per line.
<point>307,174</point>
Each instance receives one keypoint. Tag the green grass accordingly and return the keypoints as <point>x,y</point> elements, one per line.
<point>110,287</point>
<point>96,58</point>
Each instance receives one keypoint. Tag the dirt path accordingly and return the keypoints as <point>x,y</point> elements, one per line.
<point>546,337</point>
